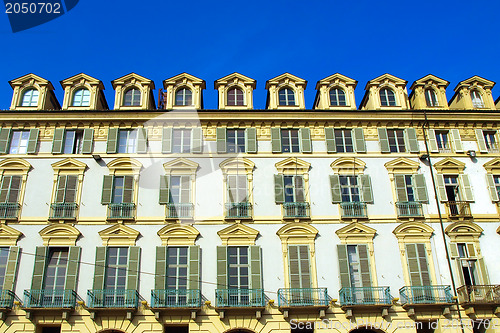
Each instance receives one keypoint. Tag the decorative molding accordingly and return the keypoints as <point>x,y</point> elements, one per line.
<point>348,165</point>
<point>178,234</point>
<point>297,233</point>
<point>402,165</point>
<point>493,166</point>
<point>449,165</point>
<point>59,235</point>
<point>413,232</point>
<point>238,234</point>
<point>182,166</point>
<point>119,235</point>
<point>356,233</point>
<point>292,165</point>
<point>8,235</point>
<point>69,164</point>
<point>323,87</point>
<point>124,165</point>
<point>16,165</point>
<point>463,231</point>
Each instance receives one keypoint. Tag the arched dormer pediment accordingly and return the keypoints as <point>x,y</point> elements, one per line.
<point>97,100</point>
<point>124,165</point>
<point>235,80</point>
<point>183,80</point>
<point>69,164</point>
<point>413,232</point>
<point>402,165</point>
<point>286,80</point>
<point>133,80</point>
<point>46,98</point>
<point>371,99</point>
<point>449,165</point>
<point>418,95</point>
<point>462,99</point>
<point>293,165</point>
<point>493,166</point>
<point>238,234</point>
<point>119,235</point>
<point>297,233</point>
<point>463,231</point>
<point>181,166</point>
<point>322,100</point>
<point>348,165</point>
<point>237,164</point>
<point>15,164</point>
<point>178,234</point>
<point>356,233</point>
<point>8,235</point>
<point>59,235</point>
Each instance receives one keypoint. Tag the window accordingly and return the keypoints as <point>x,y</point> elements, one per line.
<point>19,142</point>
<point>410,188</point>
<point>181,140</point>
<point>396,140</point>
<point>286,97</point>
<point>477,100</point>
<point>180,189</point>
<point>442,141</point>
<point>237,188</point>
<point>238,267</point>
<point>337,97</point>
<point>235,141</point>
<point>81,97</point>
<point>10,189</point>
<point>490,141</point>
<point>299,266</point>
<point>118,194</point>
<point>116,268</point>
<point>343,141</point>
<point>183,97</point>
<point>452,188</point>
<point>55,276</point>
<point>66,189</point>
<point>177,267</point>
<point>431,98</point>
<point>467,265</point>
<point>349,189</point>
<point>4,257</point>
<point>493,182</point>
<point>235,97</point>
<point>73,142</point>
<point>290,141</point>
<point>284,140</point>
<point>127,141</point>
<point>122,189</point>
<point>445,141</point>
<point>354,264</point>
<point>30,98</point>
<point>293,187</point>
<point>418,269</point>
<point>387,97</point>
<point>132,97</point>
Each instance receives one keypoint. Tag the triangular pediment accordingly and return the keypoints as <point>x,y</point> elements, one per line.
<point>9,235</point>
<point>386,78</point>
<point>30,79</point>
<point>181,163</point>
<point>132,78</point>
<point>449,164</point>
<point>336,78</point>
<point>238,234</point>
<point>348,165</point>
<point>81,78</point>
<point>356,232</point>
<point>15,164</point>
<point>178,234</point>
<point>234,78</point>
<point>59,235</point>
<point>402,165</point>
<point>492,166</point>
<point>183,78</point>
<point>293,163</point>
<point>476,80</point>
<point>119,234</point>
<point>69,164</point>
<point>413,229</point>
<point>430,80</point>
<point>284,79</point>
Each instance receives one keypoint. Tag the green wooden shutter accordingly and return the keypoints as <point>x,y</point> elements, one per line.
<point>142,140</point>
<point>300,194</point>
<point>88,141</point>
<point>414,269</point>
<point>251,140</point>
<point>107,190</point>
<point>366,188</point>
<point>112,144</point>
<point>164,189</point>
<point>134,259</point>
<point>194,268</point>
<point>424,265</point>
<point>166,140</point>
<point>197,142</point>
<point>276,139</point>
<point>161,268</point>
<point>431,136</point>
<point>9,280</point>
<point>345,279</point>
<point>483,272</point>
<point>465,188</point>
<point>5,140</point>
<point>72,267</point>
<point>305,140</point>
<point>411,140</point>
<point>15,188</point>
<point>420,188</point>
<point>33,141</point>
<point>456,141</point>
<point>279,189</point>
<point>221,267</point>
<point>220,134</point>
<point>255,267</point>
<point>359,140</point>
<point>128,189</point>
<point>294,266</point>
<point>364,265</point>
<point>441,189</point>
<point>491,187</point>
<point>60,188</point>
<point>71,188</point>
<point>471,250</point>
<point>335,188</point>
<point>453,250</point>
<point>400,185</point>
<point>100,267</point>
<point>4,188</point>
<point>331,146</point>
<point>481,143</point>
<point>383,140</point>
<point>41,254</point>
<point>57,141</point>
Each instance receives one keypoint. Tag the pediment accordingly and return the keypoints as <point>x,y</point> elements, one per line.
<point>293,163</point>
<point>413,229</point>
<point>178,234</point>
<point>430,80</point>
<point>286,78</point>
<point>356,232</point>
<point>336,79</point>
<point>30,79</point>
<point>449,164</point>
<point>464,228</point>
<point>476,81</point>
<point>8,235</point>
<point>235,78</point>
<point>492,166</point>
<point>297,230</point>
<point>386,78</point>
<point>15,164</point>
<point>125,163</point>
<point>69,164</point>
<point>237,163</point>
<point>348,165</point>
<point>238,234</point>
<point>402,165</point>
<point>59,235</point>
<point>119,234</point>
<point>181,163</point>
<point>183,78</point>
<point>81,78</point>
<point>132,78</point>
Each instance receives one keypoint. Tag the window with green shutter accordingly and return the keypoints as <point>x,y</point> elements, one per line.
<point>70,141</point>
<point>471,269</point>
<point>418,268</point>
<point>66,189</point>
<point>299,266</point>
<point>493,182</point>
<point>410,188</point>
<point>354,264</point>
<point>239,267</point>
<point>118,268</point>
<point>10,189</point>
<point>19,142</point>
<point>9,260</point>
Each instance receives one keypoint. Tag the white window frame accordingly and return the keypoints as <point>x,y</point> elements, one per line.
<point>431,99</point>
<point>289,97</point>
<point>134,101</point>
<point>340,141</point>
<point>385,98</point>
<point>335,93</point>
<point>21,142</point>
<point>399,142</point>
<point>81,97</point>
<point>33,98</point>
<point>186,99</point>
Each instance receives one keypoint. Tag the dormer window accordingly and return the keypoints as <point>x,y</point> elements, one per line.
<point>132,97</point>
<point>337,97</point>
<point>235,97</point>
<point>81,97</point>
<point>387,97</point>
<point>30,98</point>
<point>431,98</point>
<point>477,100</point>
<point>183,97</point>
<point>286,97</point>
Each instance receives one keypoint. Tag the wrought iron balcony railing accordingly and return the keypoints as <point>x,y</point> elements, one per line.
<point>176,298</point>
<point>353,209</point>
<point>409,209</point>
<point>9,210</point>
<point>49,298</point>
<point>239,210</point>
<point>240,298</point>
<point>426,295</point>
<point>179,210</point>
<point>485,294</point>
<point>296,209</point>
<point>119,211</point>
<point>63,211</point>
<point>113,298</point>
<point>365,296</point>
<point>6,298</point>
<point>288,297</point>
<point>458,209</point>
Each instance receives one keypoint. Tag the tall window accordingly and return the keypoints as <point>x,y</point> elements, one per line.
<point>299,266</point>
<point>183,97</point>
<point>19,142</point>
<point>116,268</point>
<point>396,140</point>
<point>235,97</point>
<point>467,265</point>
<point>235,141</point>
<point>350,189</point>
<point>177,267</point>
<point>293,187</point>
<point>337,97</point>
<point>81,97</point>
<point>237,188</point>
<point>30,98</point>
<point>286,97</point>
<point>180,189</point>
<point>477,100</point>
<point>443,142</point>
<point>55,276</point>
<point>290,141</point>
<point>387,97</point>
<point>343,141</point>
<point>73,142</point>
<point>132,97</point>
<point>496,180</point>
<point>238,267</point>
<point>67,186</point>
<point>431,98</point>
<point>181,140</point>
<point>417,265</point>
<point>452,188</point>
<point>10,189</point>
<point>4,257</point>
<point>490,141</point>
<point>127,141</point>
<point>122,189</point>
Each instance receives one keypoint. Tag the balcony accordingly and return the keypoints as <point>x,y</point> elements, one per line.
<point>121,211</point>
<point>6,299</point>
<point>479,295</point>
<point>301,297</point>
<point>238,210</point>
<point>176,298</point>
<point>48,298</point>
<point>9,210</point>
<point>239,298</point>
<point>425,295</point>
<point>458,209</point>
<point>63,211</point>
<point>113,298</point>
<point>409,209</point>
<point>296,210</point>
<point>179,211</point>
<point>353,209</point>
<point>365,296</point>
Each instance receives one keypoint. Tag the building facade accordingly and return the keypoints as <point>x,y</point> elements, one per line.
<point>174,218</point>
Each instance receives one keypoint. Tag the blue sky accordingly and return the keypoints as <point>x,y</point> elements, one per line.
<point>261,39</point>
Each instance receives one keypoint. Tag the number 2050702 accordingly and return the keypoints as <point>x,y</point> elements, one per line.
<point>32,8</point>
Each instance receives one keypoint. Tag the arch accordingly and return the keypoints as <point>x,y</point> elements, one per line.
<point>237,163</point>
<point>59,235</point>
<point>30,97</point>
<point>366,330</point>
<point>178,234</point>
<point>337,96</point>
<point>387,97</point>
<point>477,98</point>
<point>463,230</point>
<point>15,164</point>
<point>124,164</point>
<point>183,96</point>
<point>132,96</point>
<point>297,230</point>
<point>107,330</point>
<point>431,99</point>
<point>80,97</point>
<point>348,165</point>
<point>286,96</point>
<point>413,228</point>
<point>235,96</point>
